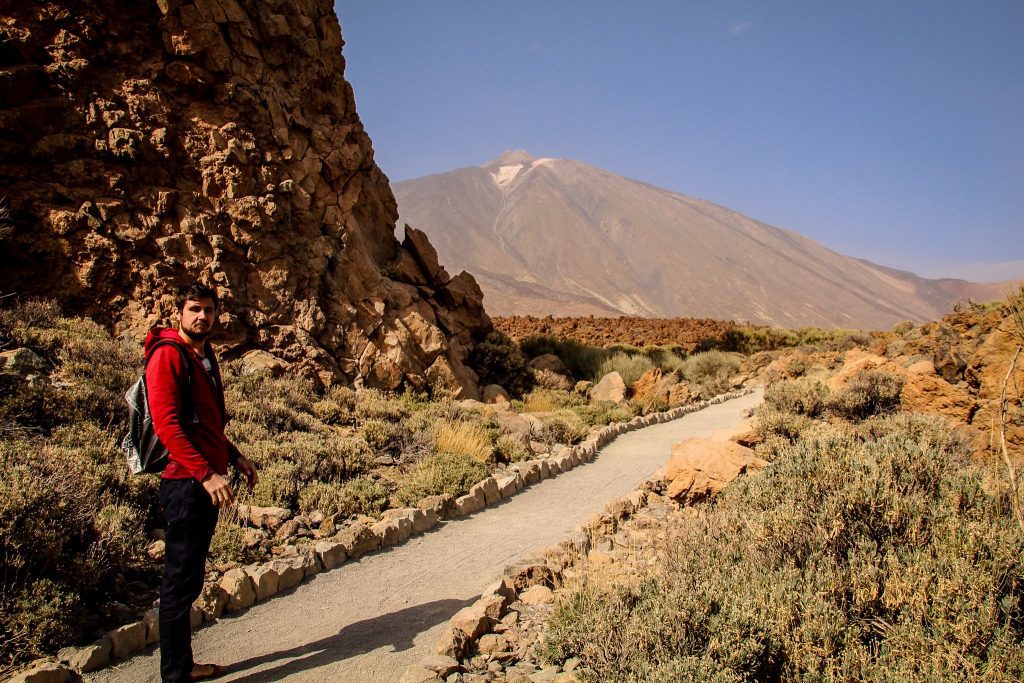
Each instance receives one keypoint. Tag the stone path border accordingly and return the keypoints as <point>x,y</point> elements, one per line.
<point>238,589</point>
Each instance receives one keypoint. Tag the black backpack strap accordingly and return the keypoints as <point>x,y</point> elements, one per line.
<point>187,407</point>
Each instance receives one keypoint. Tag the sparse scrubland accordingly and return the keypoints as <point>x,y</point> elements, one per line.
<point>879,544</point>
<point>77,530</point>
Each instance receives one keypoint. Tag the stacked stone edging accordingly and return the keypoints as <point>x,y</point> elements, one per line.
<point>529,582</point>
<point>238,589</point>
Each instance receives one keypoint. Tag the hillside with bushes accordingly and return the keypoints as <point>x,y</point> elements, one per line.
<point>879,537</point>
<point>80,538</point>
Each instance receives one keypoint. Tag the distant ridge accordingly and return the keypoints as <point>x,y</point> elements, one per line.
<point>561,237</point>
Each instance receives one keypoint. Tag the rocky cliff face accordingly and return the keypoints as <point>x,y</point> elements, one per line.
<point>144,144</point>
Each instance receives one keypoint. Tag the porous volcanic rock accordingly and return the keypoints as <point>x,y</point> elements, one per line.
<point>146,144</point>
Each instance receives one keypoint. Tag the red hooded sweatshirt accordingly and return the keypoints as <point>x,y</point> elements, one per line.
<point>197,445</point>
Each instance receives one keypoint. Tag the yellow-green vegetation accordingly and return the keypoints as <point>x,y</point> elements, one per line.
<point>442,474</point>
<point>463,437</point>
<point>74,524</point>
<point>592,363</point>
<point>872,548</point>
<point>748,340</point>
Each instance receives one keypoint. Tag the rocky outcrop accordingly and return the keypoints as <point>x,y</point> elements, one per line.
<point>700,468</point>
<point>148,144</point>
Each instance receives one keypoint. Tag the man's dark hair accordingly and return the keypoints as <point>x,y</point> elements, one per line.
<point>194,292</point>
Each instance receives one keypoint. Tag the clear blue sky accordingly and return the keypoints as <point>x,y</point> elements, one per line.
<point>889,130</point>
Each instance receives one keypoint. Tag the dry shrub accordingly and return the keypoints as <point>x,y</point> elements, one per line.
<point>801,397</point>
<point>870,392</point>
<point>275,403</point>
<point>888,559</point>
<point>564,427</point>
<point>605,412</point>
<point>443,473</point>
<point>371,404</point>
<point>511,448</point>
<point>360,496</point>
<point>463,438</point>
<point>382,436</point>
<point>546,400</point>
<point>278,486</point>
<point>711,370</point>
<point>547,379</point>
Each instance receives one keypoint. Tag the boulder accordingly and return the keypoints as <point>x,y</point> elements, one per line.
<point>474,501</point>
<point>290,573</point>
<point>495,393</point>
<point>211,602</point>
<point>127,640</point>
<point>454,643</point>
<point>419,674</point>
<point>331,554</point>
<point>551,363</point>
<point>265,580</point>
<point>610,388</point>
<point>700,468</point>
<point>358,540</point>
<point>257,361</point>
<point>239,588</point>
<point>87,658</point>
<point>441,665</point>
<point>271,518</point>
<point>537,595</point>
<point>680,395</point>
<point>44,672</point>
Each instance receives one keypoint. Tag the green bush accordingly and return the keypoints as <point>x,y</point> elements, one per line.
<point>801,397</point>
<point>884,559</point>
<point>443,473</point>
<point>356,497</point>
<point>499,360</point>
<point>870,392</point>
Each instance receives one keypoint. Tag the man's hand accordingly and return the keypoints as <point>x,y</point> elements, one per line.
<point>245,466</point>
<point>219,490</point>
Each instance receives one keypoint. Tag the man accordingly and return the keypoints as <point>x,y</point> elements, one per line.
<point>186,399</point>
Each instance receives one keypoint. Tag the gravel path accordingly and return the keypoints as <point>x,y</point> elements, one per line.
<point>369,620</point>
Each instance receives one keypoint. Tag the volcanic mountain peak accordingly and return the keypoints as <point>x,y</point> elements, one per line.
<point>562,237</point>
<point>512,165</point>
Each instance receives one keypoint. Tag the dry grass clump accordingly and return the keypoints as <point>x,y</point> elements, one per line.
<point>878,555</point>
<point>442,473</point>
<point>546,400</point>
<point>463,437</point>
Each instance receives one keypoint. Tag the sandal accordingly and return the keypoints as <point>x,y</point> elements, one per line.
<point>215,671</point>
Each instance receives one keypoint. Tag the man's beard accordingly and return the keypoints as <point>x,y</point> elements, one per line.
<point>198,333</point>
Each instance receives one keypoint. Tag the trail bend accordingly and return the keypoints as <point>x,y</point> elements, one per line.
<point>368,620</point>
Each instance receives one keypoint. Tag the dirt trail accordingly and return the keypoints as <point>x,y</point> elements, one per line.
<point>369,620</point>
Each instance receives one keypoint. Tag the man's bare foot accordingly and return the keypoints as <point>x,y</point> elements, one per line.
<point>204,672</point>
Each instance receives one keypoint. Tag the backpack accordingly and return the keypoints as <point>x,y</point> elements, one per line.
<point>141,446</point>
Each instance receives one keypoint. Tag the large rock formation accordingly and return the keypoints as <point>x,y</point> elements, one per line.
<point>144,144</point>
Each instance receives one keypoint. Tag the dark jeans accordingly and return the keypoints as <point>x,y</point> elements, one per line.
<point>191,518</point>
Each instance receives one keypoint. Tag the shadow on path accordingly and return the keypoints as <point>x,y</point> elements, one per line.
<point>397,629</point>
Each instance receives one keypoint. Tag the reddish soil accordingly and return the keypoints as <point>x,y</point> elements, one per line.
<point>687,332</point>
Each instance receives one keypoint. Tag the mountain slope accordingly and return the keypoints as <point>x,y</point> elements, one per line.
<point>556,236</point>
